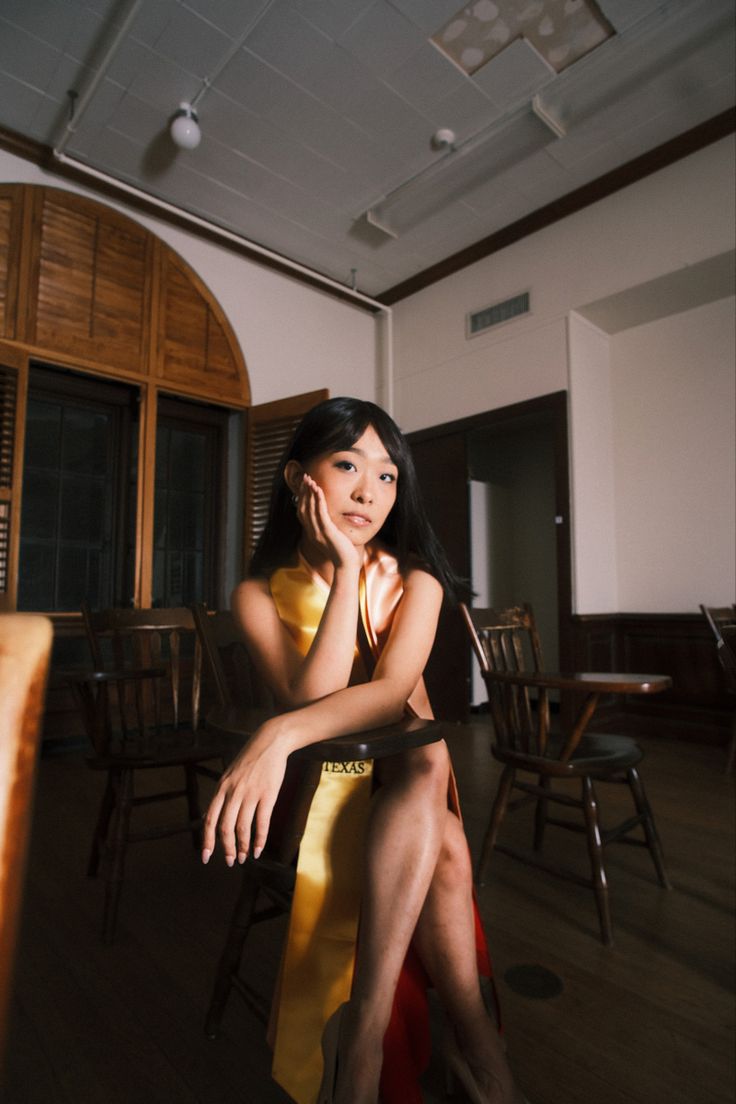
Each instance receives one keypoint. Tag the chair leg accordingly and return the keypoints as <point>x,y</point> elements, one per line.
<point>540,813</point>
<point>229,963</point>
<point>644,810</point>
<point>118,848</point>
<point>195,815</point>
<point>101,828</point>
<point>595,849</point>
<point>497,814</point>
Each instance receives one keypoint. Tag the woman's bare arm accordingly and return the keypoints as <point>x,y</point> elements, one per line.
<point>247,792</point>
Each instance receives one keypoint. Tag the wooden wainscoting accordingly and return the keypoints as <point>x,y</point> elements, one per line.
<point>676,644</point>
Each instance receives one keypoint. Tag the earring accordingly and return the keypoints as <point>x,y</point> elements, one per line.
<point>294,500</point>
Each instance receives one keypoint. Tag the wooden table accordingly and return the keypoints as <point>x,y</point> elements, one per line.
<point>237,724</point>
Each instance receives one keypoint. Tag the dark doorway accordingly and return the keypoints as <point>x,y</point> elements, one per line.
<point>501,448</point>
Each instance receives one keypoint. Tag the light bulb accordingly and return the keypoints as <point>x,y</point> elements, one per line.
<point>185,130</point>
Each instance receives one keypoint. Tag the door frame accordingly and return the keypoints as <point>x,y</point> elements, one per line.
<point>551,409</point>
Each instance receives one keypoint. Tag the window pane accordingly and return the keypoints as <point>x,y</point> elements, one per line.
<point>85,510</point>
<point>187,460</point>
<point>186,516</point>
<point>43,434</point>
<point>73,522</point>
<point>40,510</point>
<point>36,576</point>
<point>86,441</point>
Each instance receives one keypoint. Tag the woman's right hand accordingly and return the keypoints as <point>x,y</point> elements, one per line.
<point>240,811</point>
<point>320,529</point>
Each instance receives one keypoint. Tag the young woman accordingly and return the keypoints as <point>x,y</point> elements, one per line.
<point>347,544</point>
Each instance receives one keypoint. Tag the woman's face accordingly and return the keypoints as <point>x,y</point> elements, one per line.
<point>359,484</point>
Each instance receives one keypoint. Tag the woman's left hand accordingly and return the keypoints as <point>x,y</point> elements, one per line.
<point>245,798</point>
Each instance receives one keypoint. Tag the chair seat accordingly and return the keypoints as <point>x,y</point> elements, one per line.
<point>597,755</point>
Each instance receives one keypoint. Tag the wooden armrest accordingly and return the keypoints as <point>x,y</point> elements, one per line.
<point>237,724</point>
<point>586,682</point>
<point>375,743</point>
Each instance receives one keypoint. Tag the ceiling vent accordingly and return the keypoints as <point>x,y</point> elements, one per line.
<point>498,313</point>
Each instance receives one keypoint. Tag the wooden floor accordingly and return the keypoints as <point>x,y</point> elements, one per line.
<point>650,1020</point>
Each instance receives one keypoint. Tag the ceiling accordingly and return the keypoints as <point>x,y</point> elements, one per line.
<point>314,111</point>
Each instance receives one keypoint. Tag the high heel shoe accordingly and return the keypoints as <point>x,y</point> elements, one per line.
<point>330,1048</point>
<point>458,1067</point>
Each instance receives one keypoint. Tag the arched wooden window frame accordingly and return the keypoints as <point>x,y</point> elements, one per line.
<point>85,287</point>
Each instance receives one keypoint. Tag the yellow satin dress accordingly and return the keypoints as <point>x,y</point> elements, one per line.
<point>317,966</point>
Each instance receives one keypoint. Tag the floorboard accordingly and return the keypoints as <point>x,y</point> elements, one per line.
<point>648,1020</point>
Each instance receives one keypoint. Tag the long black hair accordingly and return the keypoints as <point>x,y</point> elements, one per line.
<point>332,426</point>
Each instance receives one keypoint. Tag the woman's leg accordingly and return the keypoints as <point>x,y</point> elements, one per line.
<point>445,941</point>
<point>405,836</point>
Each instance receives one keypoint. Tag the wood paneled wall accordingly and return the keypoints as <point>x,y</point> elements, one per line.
<point>679,645</point>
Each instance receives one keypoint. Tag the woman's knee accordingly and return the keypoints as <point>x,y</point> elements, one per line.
<point>427,767</point>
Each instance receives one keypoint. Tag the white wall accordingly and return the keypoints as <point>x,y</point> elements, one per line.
<point>592,497</point>
<point>673,386</point>
<point>294,338</point>
<point>678,217</point>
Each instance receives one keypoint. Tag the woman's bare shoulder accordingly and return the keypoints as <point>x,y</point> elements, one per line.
<point>249,592</point>
<point>417,577</point>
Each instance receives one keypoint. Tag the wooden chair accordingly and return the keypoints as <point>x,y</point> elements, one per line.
<point>268,883</point>
<point>507,646</point>
<point>25,647</point>
<point>132,706</point>
<point>722,622</point>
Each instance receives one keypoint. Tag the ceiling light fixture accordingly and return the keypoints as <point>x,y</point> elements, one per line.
<point>493,150</point>
<point>184,129</point>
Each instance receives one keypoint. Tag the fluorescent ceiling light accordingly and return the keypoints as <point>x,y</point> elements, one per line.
<point>490,152</point>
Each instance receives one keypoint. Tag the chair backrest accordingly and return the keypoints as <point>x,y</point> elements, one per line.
<point>234,679</point>
<point>121,639</point>
<point>507,641</point>
<point>722,621</point>
<point>25,646</point>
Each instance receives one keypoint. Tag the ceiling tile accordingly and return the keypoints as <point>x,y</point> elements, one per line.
<point>138,121</point>
<point>334,17</point>
<point>428,15</point>
<point>232,17</point>
<point>382,39</point>
<point>425,77</point>
<point>26,57</point>
<point>310,58</point>
<point>191,43</point>
<point>164,84</point>
<point>622,13</point>
<point>21,103</point>
<point>49,20</point>
<point>49,121</point>
<point>465,110</point>
<point>152,19</point>
<point>261,141</point>
<point>86,41</point>
<point>514,75</point>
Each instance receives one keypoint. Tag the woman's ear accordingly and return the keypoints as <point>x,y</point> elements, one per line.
<point>293,475</point>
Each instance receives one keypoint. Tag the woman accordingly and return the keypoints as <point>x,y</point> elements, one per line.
<point>347,543</point>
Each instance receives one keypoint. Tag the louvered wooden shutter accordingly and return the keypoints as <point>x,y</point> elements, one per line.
<point>13,381</point>
<point>269,428</point>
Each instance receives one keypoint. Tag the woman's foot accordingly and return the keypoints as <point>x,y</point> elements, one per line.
<point>353,1056</point>
<point>481,1067</point>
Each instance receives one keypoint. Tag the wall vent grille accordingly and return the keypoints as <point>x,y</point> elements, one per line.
<point>497,313</point>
